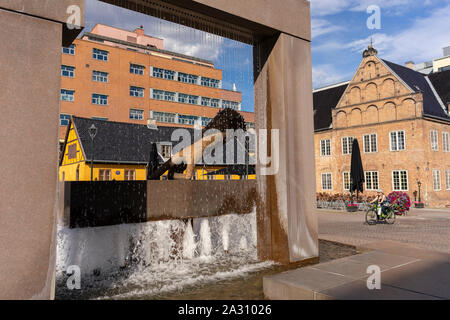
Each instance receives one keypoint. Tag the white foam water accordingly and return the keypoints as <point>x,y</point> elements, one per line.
<point>149,259</point>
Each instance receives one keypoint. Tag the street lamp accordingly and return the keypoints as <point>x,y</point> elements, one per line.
<point>419,204</point>
<point>92,133</point>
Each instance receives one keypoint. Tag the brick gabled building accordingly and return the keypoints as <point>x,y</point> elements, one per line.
<point>401,120</point>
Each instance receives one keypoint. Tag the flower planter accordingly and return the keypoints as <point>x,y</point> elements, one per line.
<point>352,209</point>
<point>419,205</point>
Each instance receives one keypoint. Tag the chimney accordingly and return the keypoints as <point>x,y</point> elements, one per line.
<point>140,31</point>
<point>410,65</point>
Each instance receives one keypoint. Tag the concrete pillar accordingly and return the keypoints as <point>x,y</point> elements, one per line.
<point>30,56</point>
<point>287,225</point>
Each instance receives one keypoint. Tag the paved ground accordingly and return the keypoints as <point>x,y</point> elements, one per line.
<point>426,228</point>
<point>407,272</point>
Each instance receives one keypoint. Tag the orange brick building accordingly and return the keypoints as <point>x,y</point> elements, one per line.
<point>401,120</point>
<point>118,75</point>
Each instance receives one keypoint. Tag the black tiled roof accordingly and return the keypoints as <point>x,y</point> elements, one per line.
<point>324,102</point>
<point>237,169</point>
<point>441,82</point>
<point>119,142</point>
<point>418,82</point>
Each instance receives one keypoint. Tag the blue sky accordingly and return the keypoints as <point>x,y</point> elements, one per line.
<point>414,30</point>
<point>410,30</point>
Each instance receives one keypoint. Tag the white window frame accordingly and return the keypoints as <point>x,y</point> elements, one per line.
<point>436,176</point>
<point>105,175</point>
<point>136,112</point>
<point>157,73</point>
<point>129,177</point>
<point>168,153</point>
<point>65,94</point>
<point>372,186</point>
<point>191,99</point>
<point>344,180</point>
<point>445,141</point>
<point>371,136</point>
<point>69,70</point>
<point>434,140</point>
<point>397,141</point>
<point>65,120</point>
<point>400,180</point>
<point>70,50</point>
<point>157,94</point>
<point>170,96</point>
<point>101,76</point>
<point>137,92</point>
<point>100,99</point>
<point>347,144</point>
<point>324,154</point>
<point>137,69</point>
<point>100,53</point>
<point>447,179</point>
<point>331,181</point>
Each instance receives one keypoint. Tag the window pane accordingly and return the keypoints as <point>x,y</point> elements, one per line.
<point>366,144</point>
<point>393,141</point>
<point>447,179</point>
<point>100,55</point>
<point>136,69</point>
<point>445,142</point>
<point>373,143</point>
<point>137,92</point>
<point>401,140</point>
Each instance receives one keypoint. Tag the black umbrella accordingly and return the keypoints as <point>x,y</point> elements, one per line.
<point>152,161</point>
<point>356,170</point>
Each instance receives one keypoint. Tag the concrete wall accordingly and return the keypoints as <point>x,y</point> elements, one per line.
<point>30,68</point>
<point>288,16</point>
<point>184,199</point>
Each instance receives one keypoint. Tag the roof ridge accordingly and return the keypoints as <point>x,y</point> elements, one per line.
<point>123,123</point>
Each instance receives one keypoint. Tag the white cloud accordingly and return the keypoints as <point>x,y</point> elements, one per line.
<point>330,7</point>
<point>177,38</point>
<point>327,74</point>
<point>321,26</point>
<point>423,41</point>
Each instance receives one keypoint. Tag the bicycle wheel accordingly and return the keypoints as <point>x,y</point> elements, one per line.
<point>371,217</point>
<point>390,219</point>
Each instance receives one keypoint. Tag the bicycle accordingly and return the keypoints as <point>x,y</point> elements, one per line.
<point>373,218</point>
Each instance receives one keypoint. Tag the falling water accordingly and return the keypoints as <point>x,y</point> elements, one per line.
<point>189,244</point>
<point>243,244</point>
<point>151,259</point>
<point>205,238</point>
<point>225,231</point>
